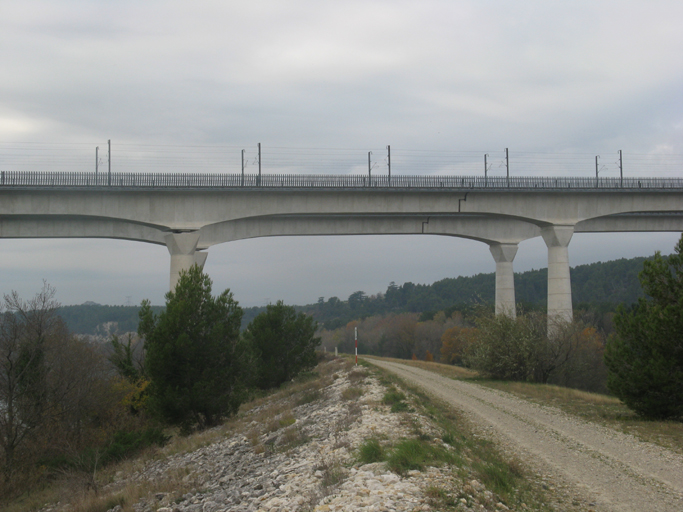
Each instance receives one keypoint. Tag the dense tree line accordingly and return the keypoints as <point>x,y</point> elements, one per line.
<point>598,286</point>
<point>497,346</point>
<point>68,405</point>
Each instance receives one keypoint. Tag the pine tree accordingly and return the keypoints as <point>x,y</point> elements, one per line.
<point>645,357</point>
<point>195,357</point>
<point>284,343</point>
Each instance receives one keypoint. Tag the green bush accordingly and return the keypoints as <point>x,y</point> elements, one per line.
<point>125,444</point>
<point>645,357</point>
<point>522,349</point>
<point>393,396</point>
<point>400,407</point>
<point>498,476</point>
<point>371,451</point>
<point>416,454</point>
<point>284,343</point>
<point>509,348</point>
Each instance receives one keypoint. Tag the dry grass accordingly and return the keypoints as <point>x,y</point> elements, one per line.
<point>75,487</point>
<point>291,438</point>
<point>185,444</point>
<point>602,409</point>
<point>447,370</point>
<point>309,397</point>
<point>253,436</point>
<point>281,420</point>
<point>173,487</point>
<point>470,454</point>
<point>357,376</point>
<point>352,393</point>
<point>275,407</point>
<point>550,393</point>
<point>81,500</point>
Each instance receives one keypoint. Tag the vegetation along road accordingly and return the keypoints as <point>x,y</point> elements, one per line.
<point>617,471</point>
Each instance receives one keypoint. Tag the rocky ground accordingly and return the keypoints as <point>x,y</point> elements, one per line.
<point>300,452</point>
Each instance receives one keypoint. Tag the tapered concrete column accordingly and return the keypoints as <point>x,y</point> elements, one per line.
<point>182,247</point>
<point>200,258</point>
<point>504,254</point>
<point>559,282</point>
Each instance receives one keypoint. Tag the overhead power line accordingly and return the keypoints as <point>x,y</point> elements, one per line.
<point>205,158</point>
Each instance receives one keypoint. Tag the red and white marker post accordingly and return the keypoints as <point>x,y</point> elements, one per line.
<point>355,334</point>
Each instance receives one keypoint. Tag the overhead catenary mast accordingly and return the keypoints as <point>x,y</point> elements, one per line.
<point>109,162</point>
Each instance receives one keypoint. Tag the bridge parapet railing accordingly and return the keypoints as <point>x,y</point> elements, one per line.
<point>18,179</point>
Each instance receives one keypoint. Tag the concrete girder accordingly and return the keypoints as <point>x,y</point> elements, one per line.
<point>481,228</point>
<point>570,208</point>
<point>646,222</point>
<point>78,227</point>
<point>194,209</point>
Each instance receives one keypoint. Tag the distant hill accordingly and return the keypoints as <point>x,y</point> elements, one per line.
<point>603,284</point>
<point>92,318</point>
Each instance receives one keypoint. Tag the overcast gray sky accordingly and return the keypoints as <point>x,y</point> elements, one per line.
<point>540,77</point>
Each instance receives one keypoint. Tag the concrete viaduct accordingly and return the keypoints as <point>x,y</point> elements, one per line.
<point>189,213</point>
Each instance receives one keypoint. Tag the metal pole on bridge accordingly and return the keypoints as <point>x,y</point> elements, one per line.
<point>242,184</point>
<point>486,170</point>
<point>621,170</point>
<point>389,161</point>
<point>259,163</point>
<point>97,161</point>
<point>369,170</point>
<point>507,165</point>
<point>109,162</point>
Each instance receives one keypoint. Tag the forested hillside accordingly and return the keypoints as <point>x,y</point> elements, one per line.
<point>598,285</point>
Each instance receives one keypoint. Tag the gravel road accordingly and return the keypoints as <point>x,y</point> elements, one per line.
<point>617,471</point>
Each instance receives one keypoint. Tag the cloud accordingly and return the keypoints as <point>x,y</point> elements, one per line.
<point>582,78</point>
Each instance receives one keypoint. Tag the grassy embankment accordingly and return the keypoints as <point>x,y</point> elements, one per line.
<point>470,455</point>
<point>602,409</point>
<point>110,486</point>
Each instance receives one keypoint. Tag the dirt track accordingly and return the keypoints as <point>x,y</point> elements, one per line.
<point>617,471</point>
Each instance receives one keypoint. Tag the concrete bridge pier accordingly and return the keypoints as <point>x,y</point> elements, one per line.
<point>504,254</point>
<point>184,254</point>
<point>559,282</point>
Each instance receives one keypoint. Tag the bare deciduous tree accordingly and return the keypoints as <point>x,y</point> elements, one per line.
<point>26,328</point>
